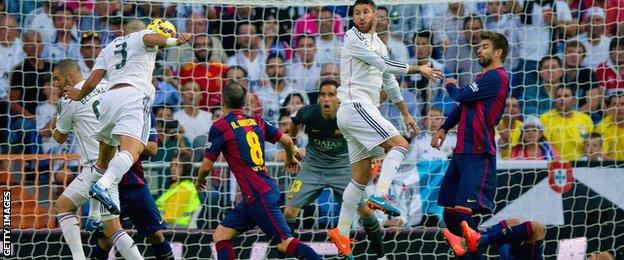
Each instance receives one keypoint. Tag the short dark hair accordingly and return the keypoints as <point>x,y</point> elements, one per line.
<point>62,8</point>
<point>365,2</point>
<point>274,55</point>
<point>575,44</point>
<point>305,36</point>
<point>566,86</point>
<point>234,95</point>
<point>499,41</point>
<point>236,67</point>
<point>616,42</point>
<point>384,8</point>
<point>467,19</point>
<point>67,65</point>
<point>547,58</point>
<point>424,34</point>
<point>185,161</point>
<point>594,135</point>
<point>328,82</point>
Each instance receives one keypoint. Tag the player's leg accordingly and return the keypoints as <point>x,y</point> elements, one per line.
<point>305,188</point>
<point>118,236</point>
<point>102,247</point>
<point>266,214</point>
<point>525,239</point>
<point>397,150</point>
<point>372,229</point>
<point>138,204</point>
<point>222,238</point>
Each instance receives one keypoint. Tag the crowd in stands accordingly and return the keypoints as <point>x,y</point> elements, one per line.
<point>566,64</point>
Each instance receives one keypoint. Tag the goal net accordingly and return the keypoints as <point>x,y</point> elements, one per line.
<point>560,142</point>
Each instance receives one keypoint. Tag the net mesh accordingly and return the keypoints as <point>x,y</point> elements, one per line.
<point>281,50</point>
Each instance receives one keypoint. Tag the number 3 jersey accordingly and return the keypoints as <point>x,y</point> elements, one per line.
<point>241,140</point>
<point>127,60</point>
<point>81,117</point>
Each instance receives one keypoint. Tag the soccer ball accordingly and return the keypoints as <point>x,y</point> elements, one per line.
<point>162,27</point>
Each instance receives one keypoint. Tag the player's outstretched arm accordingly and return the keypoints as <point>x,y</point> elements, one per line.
<point>59,137</point>
<point>204,170</point>
<point>153,40</point>
<point>92,81</point>
<point>487,86</point>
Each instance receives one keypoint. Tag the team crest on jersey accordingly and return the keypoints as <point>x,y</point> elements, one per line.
<point>474,87</point>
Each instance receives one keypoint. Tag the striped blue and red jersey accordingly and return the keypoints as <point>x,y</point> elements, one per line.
<point>481,105</point>
<point>135,177</point>
<point>241,140</point>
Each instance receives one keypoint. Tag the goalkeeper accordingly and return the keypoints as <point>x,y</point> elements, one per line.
<point>326,163</point>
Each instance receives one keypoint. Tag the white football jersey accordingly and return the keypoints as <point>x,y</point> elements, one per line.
<point>365,68</point>
<point>81,118</point>
<point>127,60</point>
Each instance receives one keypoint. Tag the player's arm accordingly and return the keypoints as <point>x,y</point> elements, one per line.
<point>154,40</point>
<point>63,122</point>
<point>59,137</point>
<point>486,87</point>
<point>92,81</point>
<point>453,119</point>
<point>394,95</point>
<point>211,153</point>
<point>204,170</point>
<point>357,47</point>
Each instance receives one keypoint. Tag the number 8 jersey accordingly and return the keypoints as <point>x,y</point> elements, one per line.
<point>241,140</point>
<point>127,60</point>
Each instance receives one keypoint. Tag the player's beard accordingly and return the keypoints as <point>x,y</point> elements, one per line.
<point>368,26</point>
<point>484,62</point>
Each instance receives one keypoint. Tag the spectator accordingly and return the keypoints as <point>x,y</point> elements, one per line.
<point>105,20</point>
<point>429,91</point>
<point>273,94</point>
<point>397,50</point>
<point>462,58</point>
<point>452,19</point>
<point>41,20</point>
<point>564,127</point>
<point>393,114</point>
<point>181,200</point>
<point>272,38</point>
<point>593,38</point>
<point>46,117</point>
<point>24,94</point>
<point>207,73</point>
<point>308,24</point>
<point>249,54</point>
<point>420,147</point>
<point>612,128</point>
<point>329,71</point>
<point>170,135</point>
<point>197,25</point>
<point>196,122</point>
<point>292,104</point>
<point>64,44</point>
<point>166,85</point>
<point>12,53</point>
<point>533,144</point>
<point>328,45</point>
<point>275,152</point>
<point>593,149</point>
<point>231,20</point>
<point>609,73</point>
<point>508,129</point>
<point>217,112</point>
<point>90,48</point>
<point>498,20</point>
<point>538,98</point>
<point>253,105</point>
<point>181,13</point>
<point>305,71</point>
<point>614,15</point>
<point>583,77</point>
<point>541,24</point>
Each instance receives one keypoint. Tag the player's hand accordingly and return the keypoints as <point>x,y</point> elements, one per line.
<point>438,139</point>
<point>292,167</point>
<point>184,38</point>
<point>200,184</point>
<point>451,81</point>
<point>429,72</point>
<point>412,127</point>
<point>71,93</point>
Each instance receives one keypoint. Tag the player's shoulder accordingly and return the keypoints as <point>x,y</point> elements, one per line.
<point>354,35</point>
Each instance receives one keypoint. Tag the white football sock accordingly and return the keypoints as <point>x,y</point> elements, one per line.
<point>71,233</point>
<point>125,245</point>
<point>350,200</point>
<point>118,166</point>
<point>389,169</point>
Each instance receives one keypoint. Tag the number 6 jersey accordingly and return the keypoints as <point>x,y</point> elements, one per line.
<point>127,60</point>
<point>81,117</point>
<point>241,139</point>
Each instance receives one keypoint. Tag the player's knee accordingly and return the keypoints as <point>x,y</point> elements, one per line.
<point>291,212</point>
<point>396,141</point>
<point>538,231</point>
<point>64,204</point>
<point>222,233</point>
<point>111,226</point>
<point>512,222</point>
<point>283,246</point>
<point>156,238</point>
<point>105,243</point>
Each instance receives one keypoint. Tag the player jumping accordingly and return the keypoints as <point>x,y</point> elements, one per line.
<point>81,117</point>
<point>517,240</point>
<point>470,181</point>
<point>241,139</point>
<point>366,68</point>
<point>128,63</point>
<point>326,163</point>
